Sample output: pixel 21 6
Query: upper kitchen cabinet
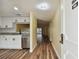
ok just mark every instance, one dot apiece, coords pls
pixel 22 20
pixel 6 22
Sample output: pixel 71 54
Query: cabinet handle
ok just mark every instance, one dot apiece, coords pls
pixel 6 26
pixel 13 39
pixel 25 20
pixel 16 20
pixel 5 38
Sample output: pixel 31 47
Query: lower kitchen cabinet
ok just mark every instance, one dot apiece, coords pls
pixel 10 41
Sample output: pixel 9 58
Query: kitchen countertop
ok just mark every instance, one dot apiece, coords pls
pixel 10 34
pixel 13 33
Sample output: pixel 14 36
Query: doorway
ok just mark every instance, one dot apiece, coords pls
pixel 42 30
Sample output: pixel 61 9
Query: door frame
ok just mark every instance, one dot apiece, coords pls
pixel 62 15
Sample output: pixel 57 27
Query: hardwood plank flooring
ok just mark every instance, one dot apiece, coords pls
pixel 42 51
pixel 12 53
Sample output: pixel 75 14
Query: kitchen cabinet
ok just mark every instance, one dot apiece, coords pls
pixel 6 25
pixel 22 20
pixel 6 22
pixel 10 41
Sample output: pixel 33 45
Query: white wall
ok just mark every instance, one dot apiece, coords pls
pixel 71 31
pixel 33 32
pixel 69 28
pixel 55 31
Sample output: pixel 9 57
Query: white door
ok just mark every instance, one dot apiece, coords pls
pixel 70 30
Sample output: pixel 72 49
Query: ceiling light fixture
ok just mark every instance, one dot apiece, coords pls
pixel 15 8
pixel 43 6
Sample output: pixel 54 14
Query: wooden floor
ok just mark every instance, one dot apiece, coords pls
pixel 42 51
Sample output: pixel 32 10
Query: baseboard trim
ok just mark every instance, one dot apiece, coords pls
pixel 56 51
pixel 10 48
pixel 31 50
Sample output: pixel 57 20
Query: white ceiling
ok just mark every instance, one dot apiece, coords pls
pixel 25 6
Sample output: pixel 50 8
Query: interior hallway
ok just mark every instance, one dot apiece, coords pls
pixel 42 51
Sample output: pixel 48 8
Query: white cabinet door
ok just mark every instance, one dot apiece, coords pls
pixel 22 20
pixel 28 20
pixel 3 41
pixel 6 23
pixel 10 41
pixel 19 19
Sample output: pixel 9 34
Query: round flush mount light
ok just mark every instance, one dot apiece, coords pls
pixel 15 8
pixel 43 6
